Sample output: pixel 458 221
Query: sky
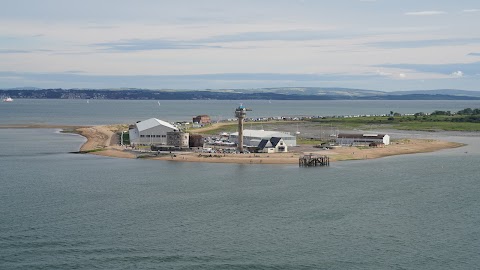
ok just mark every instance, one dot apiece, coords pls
pixel 230 44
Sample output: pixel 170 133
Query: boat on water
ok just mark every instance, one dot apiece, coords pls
pixel 297 132
pixel 7 99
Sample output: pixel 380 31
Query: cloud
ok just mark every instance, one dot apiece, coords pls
pixel 425 13
pixel 149 44
pixel 99 27
pixel 457 74
pixel 74 72
pixel 470 10
pixel 16 51
pixel 423 43
pixel 209 42
pixel 383 73
pixel 464 69
pixel 474 54
pixel 194 81
pixel 390 74
pixel 8 51
pixel 289 35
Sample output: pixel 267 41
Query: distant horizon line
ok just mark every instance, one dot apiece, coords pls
pixel 225 88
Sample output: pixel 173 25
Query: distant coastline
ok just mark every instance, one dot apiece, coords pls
pixel 282 93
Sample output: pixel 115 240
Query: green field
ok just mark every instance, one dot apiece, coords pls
pixel 425 123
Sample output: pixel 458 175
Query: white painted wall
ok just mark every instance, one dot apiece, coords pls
pixel 155 135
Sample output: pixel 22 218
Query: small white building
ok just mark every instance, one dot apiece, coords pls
pixel 252 137
pixel 152 131
pixel 274 145
pixel 362 139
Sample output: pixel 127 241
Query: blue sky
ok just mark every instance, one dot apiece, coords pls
pixel 184 44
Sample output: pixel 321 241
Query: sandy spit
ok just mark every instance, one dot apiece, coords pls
pixel 101 141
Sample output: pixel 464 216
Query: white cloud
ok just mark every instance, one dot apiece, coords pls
pixel 383 73
pixel 457 74
pixel 471 10
pixel 425 13
pixel 402 75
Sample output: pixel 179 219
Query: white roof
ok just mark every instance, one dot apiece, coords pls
pixel 264 133
pixel 153 122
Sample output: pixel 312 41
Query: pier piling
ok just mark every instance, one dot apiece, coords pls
pixel 313 161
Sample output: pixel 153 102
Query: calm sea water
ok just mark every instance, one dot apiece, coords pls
pixel 68 211
pixel 99 112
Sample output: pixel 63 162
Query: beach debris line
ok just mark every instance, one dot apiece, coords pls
pixel 311 160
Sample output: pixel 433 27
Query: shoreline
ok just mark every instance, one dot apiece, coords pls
pixel 101 141
pixel 404 147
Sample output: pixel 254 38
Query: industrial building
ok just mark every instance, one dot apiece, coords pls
pixel 152 131
pixel 362 139
pixel 253 137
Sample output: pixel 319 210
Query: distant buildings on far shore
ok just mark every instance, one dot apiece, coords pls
pixel 202 119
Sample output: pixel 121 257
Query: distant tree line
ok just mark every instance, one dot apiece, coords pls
pixel 470 115
pixel 465 115
pixel 469 111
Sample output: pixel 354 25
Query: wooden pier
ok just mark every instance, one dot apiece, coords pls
pixel 313 161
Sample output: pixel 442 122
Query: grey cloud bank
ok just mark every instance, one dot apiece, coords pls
pixel 213 43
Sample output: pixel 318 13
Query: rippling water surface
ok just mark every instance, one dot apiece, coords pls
pixel 100 112
pixel 67 211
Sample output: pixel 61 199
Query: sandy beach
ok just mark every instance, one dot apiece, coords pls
pixel 101 141
pixel 339 154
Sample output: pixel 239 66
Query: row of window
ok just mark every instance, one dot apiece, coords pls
pixel 153 136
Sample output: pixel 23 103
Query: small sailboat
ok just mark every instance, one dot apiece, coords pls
pixel 158 103
pixel 8 99
pixel 297 132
